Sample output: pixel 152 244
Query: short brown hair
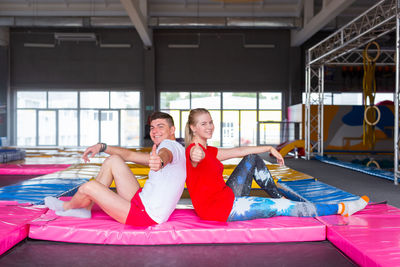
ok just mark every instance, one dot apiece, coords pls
pixel 162 115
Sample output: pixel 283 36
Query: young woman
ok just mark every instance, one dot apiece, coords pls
pixel 215 200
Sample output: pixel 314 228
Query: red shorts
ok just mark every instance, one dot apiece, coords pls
pixel 137 215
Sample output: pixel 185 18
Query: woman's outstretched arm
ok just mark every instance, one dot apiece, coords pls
pixel 238 152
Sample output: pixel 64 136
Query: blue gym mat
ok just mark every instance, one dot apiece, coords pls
pixel 311 190
pixel 35 190
pixel 357 167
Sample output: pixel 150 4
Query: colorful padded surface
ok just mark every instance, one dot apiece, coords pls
pixel 35 190
pixel 370 237
pixel 55 184
pixel 14 219
pixel 31 169
pixel 314 191
pixel 279 173
pixel 284 173
pixel 183 227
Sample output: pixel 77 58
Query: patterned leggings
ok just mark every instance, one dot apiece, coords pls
pixel 246 207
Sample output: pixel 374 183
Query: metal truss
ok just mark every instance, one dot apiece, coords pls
pixel 342 48
pixel 396 99
pixel 314 124
pixel 377 21
pixel 355 58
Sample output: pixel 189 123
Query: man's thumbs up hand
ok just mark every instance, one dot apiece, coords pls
pixel 154 160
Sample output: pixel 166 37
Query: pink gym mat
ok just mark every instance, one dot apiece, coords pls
pixel 183 227
pixel 370 237
pixel 31 169
pixel 14 219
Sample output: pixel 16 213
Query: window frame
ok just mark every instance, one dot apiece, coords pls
pixel 78 110
pixel 180 130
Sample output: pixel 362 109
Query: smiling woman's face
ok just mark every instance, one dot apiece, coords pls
pixel 204 127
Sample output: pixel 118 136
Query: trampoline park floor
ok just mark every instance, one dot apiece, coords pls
pixel 32 252
pixel 45 253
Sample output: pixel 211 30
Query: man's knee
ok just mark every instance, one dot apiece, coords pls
pixel 112 160
pixel 87 187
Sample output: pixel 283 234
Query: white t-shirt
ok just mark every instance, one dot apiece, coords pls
pixel 163 189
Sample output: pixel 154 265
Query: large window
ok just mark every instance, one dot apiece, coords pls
pixel 236 115
pixel 78 118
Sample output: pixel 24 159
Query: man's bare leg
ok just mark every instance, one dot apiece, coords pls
pixel 109 201
pixel 113 168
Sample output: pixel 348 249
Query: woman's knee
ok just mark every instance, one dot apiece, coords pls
pixel 252 157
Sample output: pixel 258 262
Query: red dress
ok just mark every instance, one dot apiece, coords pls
pixel 212 199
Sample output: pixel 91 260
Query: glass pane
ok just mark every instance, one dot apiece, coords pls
pixel 268 115
pixel 26 128
pixel 47 128
pixel 291 131
pixel 239 100
pixel 248 128
pixel 270 101
pixel 328 98
pixel 63 99
pixel 31 99
pixel 206 100
pixel 97 99
pixel 379 97
pixel 175 114
pixel 67 128
pixel 109 127
pixel 216 138
pixel 185 116
pixel 89 127
pixel 125 99
pixel 174 100
pixel 230 128
pixel 130 128
pixel 347 99
pixel 270 133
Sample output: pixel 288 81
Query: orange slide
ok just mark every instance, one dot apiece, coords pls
pixel 288 146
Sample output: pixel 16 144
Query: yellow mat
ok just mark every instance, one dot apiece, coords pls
pixel 78 169
pixel 278 173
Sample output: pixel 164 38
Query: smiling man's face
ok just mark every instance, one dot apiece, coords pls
pixel 160 130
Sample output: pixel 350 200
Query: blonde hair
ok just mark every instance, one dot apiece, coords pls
pixel 192 121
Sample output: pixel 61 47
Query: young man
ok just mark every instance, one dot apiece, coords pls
pixel 131 204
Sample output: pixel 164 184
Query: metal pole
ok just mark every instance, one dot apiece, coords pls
pixel 307 114
pixel 321 111
pixel 396 99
